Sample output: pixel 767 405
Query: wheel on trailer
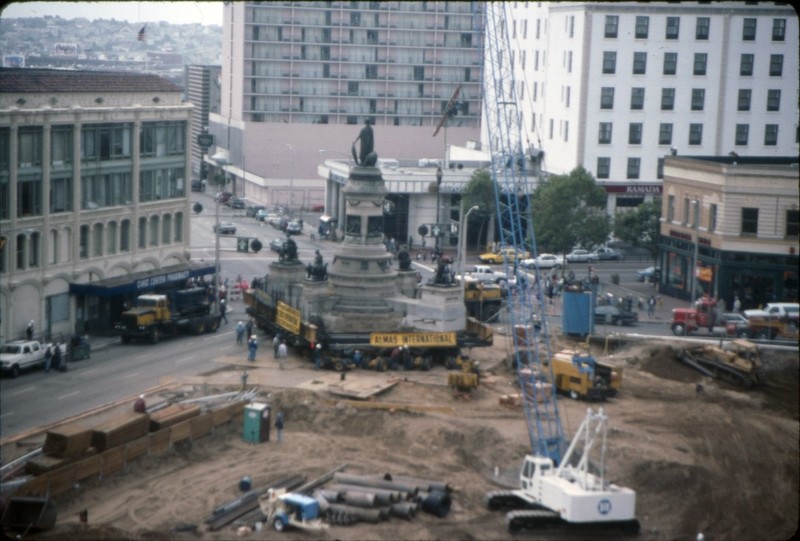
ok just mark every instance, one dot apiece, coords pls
pixel 278 524
pixel 678 329
pixel 573 394
pixel 338 365
pixel 380 366
pixel 200 327
pixel 213 325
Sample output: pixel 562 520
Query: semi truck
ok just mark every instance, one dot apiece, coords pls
pixel 185 311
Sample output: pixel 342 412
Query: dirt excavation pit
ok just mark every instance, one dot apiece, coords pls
pixel 723 462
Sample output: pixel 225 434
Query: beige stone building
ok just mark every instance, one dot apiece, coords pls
pixel 738 217
pixel 93 196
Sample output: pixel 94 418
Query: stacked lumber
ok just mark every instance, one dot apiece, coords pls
pixel 511 400
pixel 68 441
pixel 120 429
pixel 45 463
pixel 172 415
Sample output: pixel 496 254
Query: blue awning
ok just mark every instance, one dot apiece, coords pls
pixel 142 282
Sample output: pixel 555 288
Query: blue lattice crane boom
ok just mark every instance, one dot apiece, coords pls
pixel 556 483
pixel 512 198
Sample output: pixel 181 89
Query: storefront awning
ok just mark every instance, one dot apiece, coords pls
pixel 142 282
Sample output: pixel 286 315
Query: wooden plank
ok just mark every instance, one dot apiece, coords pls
pixel 201 425
pixel 35 487
pixel 88 467
pixel 397 406
pixel 172 414
pixel 221 415
pixel 180 431
pixel 158 442
pixel 356 389
pixel 61 480
pixel 68 440
pixel 120 429
pixel 136 448
pixel 113 460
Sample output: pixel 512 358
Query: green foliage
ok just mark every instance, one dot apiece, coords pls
pixel 479 192
pixel 570 210
pixel 640 227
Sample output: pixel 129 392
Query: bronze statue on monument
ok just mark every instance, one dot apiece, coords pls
pixel 366 155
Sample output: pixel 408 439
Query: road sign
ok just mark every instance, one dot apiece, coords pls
pixel 205 140
pixel 242 244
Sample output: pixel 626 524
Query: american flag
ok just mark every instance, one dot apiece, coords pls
pixel 141 36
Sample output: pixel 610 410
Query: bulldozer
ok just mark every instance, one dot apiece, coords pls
pixel 740 364
pixel 468 378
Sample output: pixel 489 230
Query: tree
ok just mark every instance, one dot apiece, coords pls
pixel 570 210
pixel 640 227
pixel 479 192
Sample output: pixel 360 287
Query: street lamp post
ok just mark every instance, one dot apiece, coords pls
pixel 291 177
pixel 221 163
pixel 463 248
pixel 438 191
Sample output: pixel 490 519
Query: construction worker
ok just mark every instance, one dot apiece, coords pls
pixel 139 405
pixel 279 425
pixel 252 347
pixel 317 357
pixel 282 353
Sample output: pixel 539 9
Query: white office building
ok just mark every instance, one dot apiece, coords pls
pixel 616 86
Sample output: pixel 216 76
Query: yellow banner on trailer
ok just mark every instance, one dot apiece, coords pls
pixel 288 318
pixel 413 339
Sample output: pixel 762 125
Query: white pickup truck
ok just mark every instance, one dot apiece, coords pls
pixel 485 273
pixel 18 355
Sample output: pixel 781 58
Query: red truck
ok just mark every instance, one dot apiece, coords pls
pixel 688 320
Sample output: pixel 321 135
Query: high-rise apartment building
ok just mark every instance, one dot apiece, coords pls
pixel 203 84
pixel 300 78
pixel 93 202
pixel 616 86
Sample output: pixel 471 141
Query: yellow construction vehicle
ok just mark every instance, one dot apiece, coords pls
pixel 468 378
pixel 580 375
pixel 740 364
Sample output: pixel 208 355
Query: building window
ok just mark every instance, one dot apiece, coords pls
pixel 703 28
pixel 773 100
pixel 642 27
pixel 660 168
pixel 605 133
pixel 671 208
pixel 778 29
pixel 695 134
pixel 712 218
pixel 466 40
pixel 670 63
pixel 793 223
pixel 109 190
pixel 637 99
pixel 667 99
pixel 771 135
pixel 612 26
pixel 635 133
pixel 639 63
pixel 83 252
pixel 742 134
pixel 355 18
pixel 419 73
pixel 609 62
pixel 607 97
pixel 633 168
pixel 29 153
pixel 97 240
pixel 125 236
pixel 700 63
pixel 673 27
pixel 142 232
pixel 178 227
pixel 746 62
pixel 775 65
pixel 687 204
pixel 61 194
pixel 154 227
pixel 166 229
pixel 749 29
pixel 61 146
pixel 352 88
pixel 106 141
pixel 743 102
pixel 29 196
pixel 665 134
pixel 749 221
pixel 371 72
pixel 698 99
pixel 603 167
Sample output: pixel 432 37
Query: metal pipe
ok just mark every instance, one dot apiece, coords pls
pixel 463 248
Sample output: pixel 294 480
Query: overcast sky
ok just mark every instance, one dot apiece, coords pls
pixel 134 12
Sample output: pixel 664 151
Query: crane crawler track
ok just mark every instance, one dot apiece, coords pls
pixel 537 518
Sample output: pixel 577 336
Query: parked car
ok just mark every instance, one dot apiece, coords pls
pixel 505 254
pixel 198 185
pixel 294 228
pixel 262 215
pixel 252 210
pixel 225 228
pixel 319 207
pixel 236 203
pixel 277 245
pixel 223 197
pixel 581 256
pixel 545 261
pixel 649 274
pixel 603 254
pixel 735 324
pixel 614 315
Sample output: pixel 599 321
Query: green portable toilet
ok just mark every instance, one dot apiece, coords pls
pixel 256 422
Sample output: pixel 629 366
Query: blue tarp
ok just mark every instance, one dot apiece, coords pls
pixel 142 282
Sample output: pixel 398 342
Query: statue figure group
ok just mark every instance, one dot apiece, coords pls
pixel 317 271
pixel 289 251
pixel 366 155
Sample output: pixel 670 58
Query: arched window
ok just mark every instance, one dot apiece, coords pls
pixel 97 240
pixel 125 236
pixel 142 232
pixel 84 242
pixel 111 238
pixel 166 229
pixel 55 248
pixel 154 223
pixel 178 227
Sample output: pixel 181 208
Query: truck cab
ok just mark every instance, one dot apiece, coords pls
pixel 687 320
